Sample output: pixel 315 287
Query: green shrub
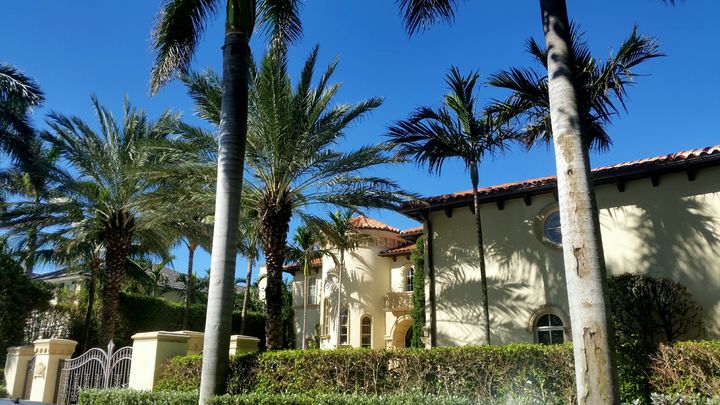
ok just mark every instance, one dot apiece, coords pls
pixel 132 397
pixel 337 399
pixel 688 368
pixel 516 373
pixel 677 399
pixel 418 296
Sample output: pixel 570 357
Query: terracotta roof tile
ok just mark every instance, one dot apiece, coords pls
pixel 616 169
pixel 405 249
pixel 363 222
pixel 410 231
pixel 314 263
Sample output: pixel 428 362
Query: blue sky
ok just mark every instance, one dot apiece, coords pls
pixel 80 47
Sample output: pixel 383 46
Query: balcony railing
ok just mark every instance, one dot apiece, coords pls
pixel 398 301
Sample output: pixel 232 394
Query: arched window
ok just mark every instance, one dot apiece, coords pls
pixel 344 326
pixel 549 329
pixel 326 316
pixel 409 273
pixel 312 291
pixel 366 331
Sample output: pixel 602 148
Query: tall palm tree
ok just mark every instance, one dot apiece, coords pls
pixel 459 130
pixel 596 377
pixel 106 186
pixel 249 247
pixel 304 250
pixel 176 35
pixel 340 233
pixel 292 163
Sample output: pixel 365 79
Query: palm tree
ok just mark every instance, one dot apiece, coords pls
pixel 249 247
pixel 176 35
pixel 18 95
pixel 456 130
pixel 339 232
pixel 304 251
pixel 107 189
pixel 596 377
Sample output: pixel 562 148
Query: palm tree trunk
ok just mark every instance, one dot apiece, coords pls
pixel 117 245
pixel 339 298
pixel 585 272
pixel 305 301
pixel 29 261
pixel 274 227
pixel 243 312
pixel 481 251
pixel 94 270
pixel 188 285
pixel 231 155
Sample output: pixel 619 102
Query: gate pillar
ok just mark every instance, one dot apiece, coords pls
pixel 243 344
pixel 15 369
pixel 48 353
pixel 150 351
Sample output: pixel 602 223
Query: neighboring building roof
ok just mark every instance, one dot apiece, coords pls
pixel 292 267
pixel 363 222
pixel 412 231
pixel 58 274
pixel 399 251
pixel 673 162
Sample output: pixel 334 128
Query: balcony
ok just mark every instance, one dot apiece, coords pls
pixel 398 302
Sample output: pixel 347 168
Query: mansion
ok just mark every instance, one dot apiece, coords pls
pixel 659 216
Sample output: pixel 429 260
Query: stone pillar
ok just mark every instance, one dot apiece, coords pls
pixel 243 344
pixel 195 341
pixel 150 351
pixel 15 367
pixel 48 354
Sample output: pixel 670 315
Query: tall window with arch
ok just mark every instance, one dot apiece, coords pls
pixel 312 291
pixel 549 329
pixel 409 274
pixel 326 317
pixel 344 326
pixel 366 331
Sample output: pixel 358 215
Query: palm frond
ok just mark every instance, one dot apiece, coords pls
pixel 281 22
pixel 420 14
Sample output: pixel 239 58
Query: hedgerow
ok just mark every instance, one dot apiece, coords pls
pixel 687 368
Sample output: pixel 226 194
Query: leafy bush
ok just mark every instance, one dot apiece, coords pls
pixel 677 399
pixel 132 397
pixel 515 373
pixel 687 368
pixel 647 311
pixel 19 296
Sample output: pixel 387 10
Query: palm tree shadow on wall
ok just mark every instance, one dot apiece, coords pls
pixel 679 239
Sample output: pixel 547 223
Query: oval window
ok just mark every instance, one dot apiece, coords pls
pixel 551 228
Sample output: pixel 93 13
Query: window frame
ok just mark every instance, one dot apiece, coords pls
pixel 345 325
pixel 409 278
pixel 369 335
pixel 533 327
pixel 539 225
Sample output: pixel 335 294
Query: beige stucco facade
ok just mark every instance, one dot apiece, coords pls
pixel 663 223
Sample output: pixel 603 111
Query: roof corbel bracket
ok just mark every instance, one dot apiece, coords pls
pixel 394 258
pixel 448 212
pixel 620 186
pixel 472 209
pixel 691 174
pixel 528 200
pixel 500 204
pixel 655 180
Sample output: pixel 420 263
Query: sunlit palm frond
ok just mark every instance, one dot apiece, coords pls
pixel 420 14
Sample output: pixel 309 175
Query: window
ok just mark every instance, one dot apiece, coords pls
pixel 551 228
pixel 549 329
pixel 366 331
pixel 409 279
pixel 344 329
pixel 312 291
pixel 326 316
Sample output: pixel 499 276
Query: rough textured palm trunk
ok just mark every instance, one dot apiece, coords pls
pixel 188 284
pixel 117 249
pixel 481 251
pixel 339 298
pixel 231 155
pixel 585 272
pixel 243 313
pixel 274 227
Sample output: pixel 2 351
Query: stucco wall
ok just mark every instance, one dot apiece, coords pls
pixel 672 230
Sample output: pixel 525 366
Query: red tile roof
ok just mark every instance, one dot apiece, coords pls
pixel 363 222
pixel 658 162
pixel 314 263
pixel 411 231
pixel 405 249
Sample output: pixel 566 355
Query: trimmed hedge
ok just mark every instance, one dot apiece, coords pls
pixel 486 373
pixel 687 368
pixel 131 397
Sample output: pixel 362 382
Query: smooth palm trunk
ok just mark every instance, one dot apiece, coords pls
pixel 231 154
pixel 585 272
pixel 481 252
pixel 305 304
pixel 274 227
pixel 339 298
pixel 243 312
pixel 188 284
